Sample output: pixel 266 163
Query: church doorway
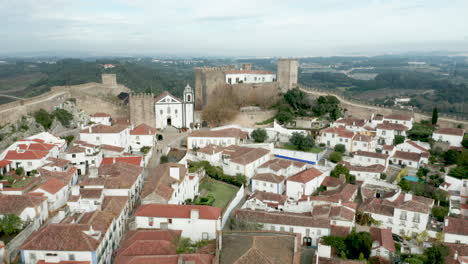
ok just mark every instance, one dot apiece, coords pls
pixel 169 122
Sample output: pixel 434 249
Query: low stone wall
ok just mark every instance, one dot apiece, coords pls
pixel 232 205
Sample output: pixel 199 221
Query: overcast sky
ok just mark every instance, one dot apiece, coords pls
pixel 238 28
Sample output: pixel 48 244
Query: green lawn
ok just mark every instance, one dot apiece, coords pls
pixel 222 192
pixel 312 150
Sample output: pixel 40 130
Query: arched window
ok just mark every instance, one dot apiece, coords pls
pixel 189 98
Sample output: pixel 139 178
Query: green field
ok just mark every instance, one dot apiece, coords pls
pixel 222 192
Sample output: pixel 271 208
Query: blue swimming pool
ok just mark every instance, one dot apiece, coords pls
pixel 411 178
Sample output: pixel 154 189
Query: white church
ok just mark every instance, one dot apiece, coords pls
pixel 172 111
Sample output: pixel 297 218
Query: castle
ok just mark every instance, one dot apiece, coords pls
pixel 247 84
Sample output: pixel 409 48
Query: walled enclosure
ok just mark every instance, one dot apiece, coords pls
pixel 207 79
pixel 142 109
pixel 90 97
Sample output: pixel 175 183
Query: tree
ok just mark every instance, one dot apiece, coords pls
pixel 259 135
pixel 450 157
pixel 340 169
pixel 338 244
pixel 465 142
pixel 43 118
pixel 435 116
pixel 302 142
pixel 340 148
pixel 10 224
pixel 358 243
pixel 297 99
pixel 163 159
pixel 336 157
pixel 440 212
pixel 436 254
pixel 63 116
pixel 19 171
pixel 398 139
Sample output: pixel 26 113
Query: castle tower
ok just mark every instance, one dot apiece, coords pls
pixel 142 109
pixel 247 66
pixel 188 107
pixel 109 80
pixel 287 73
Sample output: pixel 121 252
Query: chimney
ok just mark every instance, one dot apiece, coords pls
pixel 75 190
pixel 455 255
pixel 339 202
pixel 174 172
pixel 194 214
pixel 408 197
pixel 446 222
pixel 93 172
pixel 89 129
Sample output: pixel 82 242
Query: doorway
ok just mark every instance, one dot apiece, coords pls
pixel 169 122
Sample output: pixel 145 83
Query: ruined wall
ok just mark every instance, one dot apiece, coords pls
pixel 91 98
pixel 109 80
pixel 207 79
pixel 142 109
pixel 287 73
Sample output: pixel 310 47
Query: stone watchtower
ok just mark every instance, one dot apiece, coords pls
pixel 287 74
pixel 109 80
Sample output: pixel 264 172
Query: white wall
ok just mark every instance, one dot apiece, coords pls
pixel 101 120
pixel 451 139
pixel 455 238
pixel 314 232
pixel 266 186
pixel 27 258
pixel 298 155
pixel 191 228
pixel 139 141
pixel 200 142
pixel 121 139
pixel 249 78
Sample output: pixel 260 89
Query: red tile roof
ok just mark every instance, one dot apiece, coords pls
pixel 41 146
pixel 27 155
pixel 143 129
pixel 4 163
pixel 332 182
pixel 100 114
pixel 269 198
pixel 341 231
pixel 413 156
pixel 384 237
pixel 52 186
pixel 112 148
pixel 178 211
pixel 63 262
pixel 412 143
pixel 164 94
pixel 392 126
pixel 450 131
pixel 228 132
pixel 56 162
pixel 103 129
pixel 341 131
pixel 371 154
pixel 135 160
pixel 305 176
pixel 268 177
pixel 16 204
pixel 456 226
pixel 280 218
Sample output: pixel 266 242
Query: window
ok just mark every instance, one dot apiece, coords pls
pixel 73 155
pixel 271 185
pixel 403 216
pixel 71 256
pixel 98 138
pixel 138 137
pixel 237 167
pixel 189 98
pixel 237 79
pixel 416 218
pixel 29 163
pixel 272 228
pixel 168 110
pixel 161 111
pixel 291 229
pixel 32 256
pixel 307 231
pixel 319 232
pixel 175 111
pixel 169 221
pixel 205 236
pixel 383 132
pixel 229 80
pixel 264 184
pixel 281 228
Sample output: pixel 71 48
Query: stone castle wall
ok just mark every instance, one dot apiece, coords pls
pixel 91 98
pixel 142 109
pixel 263 94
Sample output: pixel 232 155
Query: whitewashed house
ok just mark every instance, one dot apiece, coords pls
pixel 352 124
pixel 410 159
pixel 413 146
pixel 405 120
pixel 26 158
pixel 117 135
pixel 56 191
pixel 309 227
pixel 223 137
pixel 101 118
pixel 367 158
pixel 268 182
pixel 197 222
pixel 363 143
pixel 456 230
pixel 305 182
pixel 387 131
pixel 27 207
pixel 336 135
pixel 57 164
pixel 370 173
pixel 85 199
pixel 142 136
pixel 283 167
pixel 453 136
pixel 170 183
pixel 383 245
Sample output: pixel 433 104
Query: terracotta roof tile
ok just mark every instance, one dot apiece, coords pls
pixel 305 176
pixel 456 226
pixel 134 160
pixel 100 114
pixel 268 197
pixel 164 94
pixel 52 186
pixel 398 117
pixel 392 126
pixel 26 155
pixel 103 129
pixel 371 154
pixel 16 204
pixel 280 218
pixel 178 211
pixel 413 156
pixel 332 182
pixel 384 237
pixel 143 129
pixel 160 182
pixel 450 131
pixel 112 148
pixel 228 132
pixel 269 177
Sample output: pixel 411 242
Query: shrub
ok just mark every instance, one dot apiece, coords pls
pixel 10 224
pixel 145 149
pixel 19 171
pixel 340 148
pixel 259 135
pixel 322 145
pixel 43 118
pixel 383 176
pixel 440 212
pixel 69 139
pixel 63 116
pixel 163 159
pixel 217 173
pixel 336 157
pixel 398 139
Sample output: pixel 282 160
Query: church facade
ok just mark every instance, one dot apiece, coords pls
pixel 170 110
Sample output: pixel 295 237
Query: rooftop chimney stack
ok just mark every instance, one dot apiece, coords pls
pixel 194 214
